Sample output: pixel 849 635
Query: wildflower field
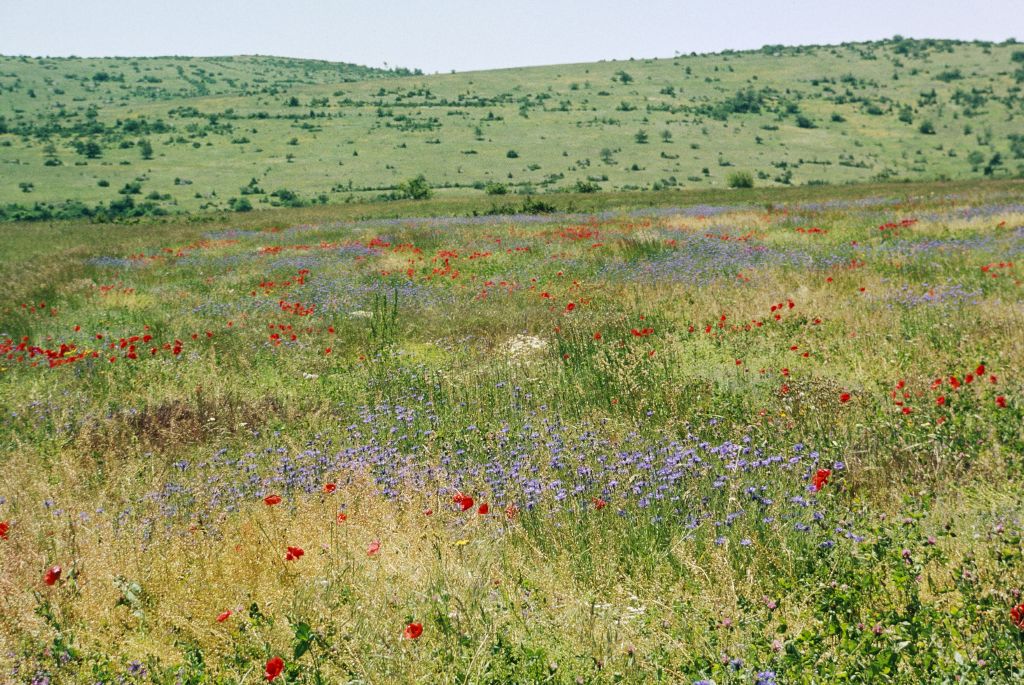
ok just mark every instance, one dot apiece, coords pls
pixel 759 441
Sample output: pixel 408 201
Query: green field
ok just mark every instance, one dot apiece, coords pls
pixel 704 370
pixel 145 136
pixel 758 436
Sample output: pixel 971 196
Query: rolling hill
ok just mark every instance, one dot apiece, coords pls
pixel 134 136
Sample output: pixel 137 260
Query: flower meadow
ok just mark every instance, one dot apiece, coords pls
pixel 747 443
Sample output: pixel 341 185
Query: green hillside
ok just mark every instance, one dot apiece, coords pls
pixel 176 134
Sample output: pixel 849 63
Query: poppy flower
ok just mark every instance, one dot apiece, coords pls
pixel 599 503
pixel 571 306
pixel 5 527
pixel 820 479
pixel 428 512
pixel 484 508
pixel 1017 616
pixel 224 616
pixel 844 397
pixel 597 336
pixel 52 575
pixel 271 500
pixel 980 371
pixel 413 631
pixel 940 400
pixel 330 487
pixel 373 548
pixel 342 517
pixel 464 501
pixel 294 553
pixel 511 511
pixel 274 667
pixel 1001 402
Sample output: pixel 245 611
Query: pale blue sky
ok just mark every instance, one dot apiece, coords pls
pixel 479 34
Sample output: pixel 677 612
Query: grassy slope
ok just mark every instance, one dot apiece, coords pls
pixel 458 128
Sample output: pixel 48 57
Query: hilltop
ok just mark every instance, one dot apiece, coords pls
pixel 135 136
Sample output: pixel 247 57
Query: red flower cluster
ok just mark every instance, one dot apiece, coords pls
pixel 820 479
pixel 465 502
pixel 1017 616
pixel 52 575
pixel 294 554
pixel 274 668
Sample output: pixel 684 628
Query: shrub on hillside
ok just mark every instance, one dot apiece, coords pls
pixel 740 179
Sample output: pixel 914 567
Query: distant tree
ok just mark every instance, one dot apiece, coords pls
pixel 292 101
pixel 511 154
pixel 240 204
pixel 804 122
pixel 666 136
pixel 146 148
pixel 91 149
pixel 640 137
pixel 622 77
pixel 495 188
pixel 927 128
pixel 607 156
pixel 415 188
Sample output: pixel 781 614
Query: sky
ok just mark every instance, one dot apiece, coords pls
pixel 466 35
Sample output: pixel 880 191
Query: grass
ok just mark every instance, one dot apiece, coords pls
pixel 642 394
pixel 356 134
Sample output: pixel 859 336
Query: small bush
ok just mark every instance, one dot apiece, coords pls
pixel 740 179
pixel 414 189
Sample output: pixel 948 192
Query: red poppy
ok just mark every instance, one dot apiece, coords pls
pixel 271 500
pixel 294 553
pixel 274 667
pixel 224 616
pixel 413 631
pixel 5 527
pixel 906 410
pixel 597 336
pixel 342 517
pixel 511 511
pixel 980 371
pixel 820 478
pixel 1001 402
pixel 599 503
pixel 330 487
pixel 1017 616
pixel 373 548
pixel 571 306
pixel 52 575
pixel 464 501
pixel 484 508
pixel 844 397
pixel 940 400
